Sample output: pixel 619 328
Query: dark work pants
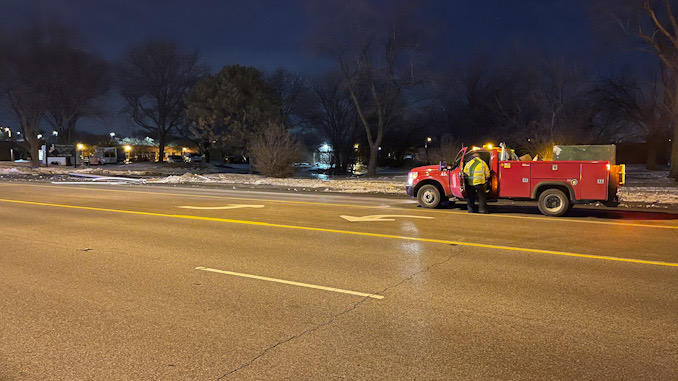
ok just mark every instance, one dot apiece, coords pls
pixel 471 198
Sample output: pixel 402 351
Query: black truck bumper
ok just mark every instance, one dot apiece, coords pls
pixel 410 190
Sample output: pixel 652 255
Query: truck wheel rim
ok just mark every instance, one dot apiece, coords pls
pixel 429 197
pixel 553 203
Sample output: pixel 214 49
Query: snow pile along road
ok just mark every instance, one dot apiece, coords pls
pixel 649 195
pixel 653 188
pixel 183 179
pixel 11 171
pixel 386 185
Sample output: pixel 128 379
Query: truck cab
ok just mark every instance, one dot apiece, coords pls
pixel 434 184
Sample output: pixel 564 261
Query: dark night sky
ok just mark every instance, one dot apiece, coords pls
pixel 269 33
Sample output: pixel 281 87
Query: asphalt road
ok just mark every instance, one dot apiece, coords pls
pixel 151 283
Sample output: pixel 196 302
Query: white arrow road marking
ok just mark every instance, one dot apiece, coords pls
pixel 363 294
pixel 229 206
pixel 380 217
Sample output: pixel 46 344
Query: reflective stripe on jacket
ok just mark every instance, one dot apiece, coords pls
pixel 476 171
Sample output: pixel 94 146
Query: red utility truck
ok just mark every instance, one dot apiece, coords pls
pixel 557 185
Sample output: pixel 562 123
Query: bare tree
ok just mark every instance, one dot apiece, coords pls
pixel 477 101
pixel 153 78
pixel 655 24
pixel 332 112
pixel 638 103
pixel 81 80
pixel 27 81
pixel 291 89
pixel 374 46
pixel 537 104
pixel 530 104
pixel 562 114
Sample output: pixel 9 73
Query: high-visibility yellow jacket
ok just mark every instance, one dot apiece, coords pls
pixel 476 171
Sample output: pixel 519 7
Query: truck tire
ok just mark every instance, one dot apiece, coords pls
pixel 553 202
pixel 429 196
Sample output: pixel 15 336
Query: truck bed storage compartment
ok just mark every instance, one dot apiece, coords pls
pixel 514 179
pixel 594 179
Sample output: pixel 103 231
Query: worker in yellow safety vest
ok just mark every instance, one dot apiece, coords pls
pixel 477 174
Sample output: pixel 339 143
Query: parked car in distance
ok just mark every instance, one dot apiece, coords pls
pixel 195 158
pixel 175 159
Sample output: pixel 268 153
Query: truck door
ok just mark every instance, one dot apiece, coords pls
pixel 456 182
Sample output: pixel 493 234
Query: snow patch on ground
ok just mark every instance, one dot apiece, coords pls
pixel 385 185
pixel 10 171
pixel 183 179
pixel 649 195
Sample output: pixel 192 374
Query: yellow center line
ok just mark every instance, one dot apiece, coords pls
pixel 348 232
pixel 293 283
pixel 419 210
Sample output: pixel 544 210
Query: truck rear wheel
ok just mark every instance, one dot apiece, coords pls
pixel 553 202
pixel 429 196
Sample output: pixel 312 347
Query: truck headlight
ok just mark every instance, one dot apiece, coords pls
pixel 410 177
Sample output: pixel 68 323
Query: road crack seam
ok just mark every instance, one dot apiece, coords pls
pixel 335 317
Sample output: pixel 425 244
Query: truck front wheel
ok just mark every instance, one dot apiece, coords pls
pixel 553 202
pixel 429 196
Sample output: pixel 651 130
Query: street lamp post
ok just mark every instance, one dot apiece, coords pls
pixel 79 148
pixel 428 140
pixel 127 148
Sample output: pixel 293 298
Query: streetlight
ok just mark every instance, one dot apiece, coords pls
pixel 79 147
pixel 428 140
pixel 127 149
